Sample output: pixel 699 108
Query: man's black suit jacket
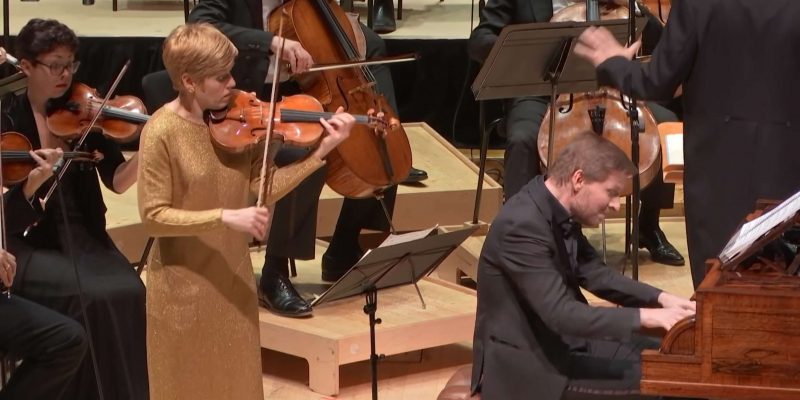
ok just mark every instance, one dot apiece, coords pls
pixel 242 22
pixel 739 64
pixel 531 315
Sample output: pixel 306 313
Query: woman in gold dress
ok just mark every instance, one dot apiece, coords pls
pixel 195 198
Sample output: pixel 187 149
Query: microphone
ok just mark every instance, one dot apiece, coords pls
pixel 592 10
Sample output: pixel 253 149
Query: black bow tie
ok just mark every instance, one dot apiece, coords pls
pixel 570 228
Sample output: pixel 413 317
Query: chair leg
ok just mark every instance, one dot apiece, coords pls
pixel 400 9
pixel 292 268
pixel 185 10
pixel 114 5
pixel 370 6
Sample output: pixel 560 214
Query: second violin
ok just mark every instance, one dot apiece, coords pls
pixel 119 119
pixel 17 161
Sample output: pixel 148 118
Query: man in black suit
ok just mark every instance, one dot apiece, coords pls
pixel 295 218
pixel 737 62
pixel 536 336
pixel 524 116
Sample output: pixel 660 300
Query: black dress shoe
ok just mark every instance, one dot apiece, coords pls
pixel 661 250
pixel 383 16
pixel 416 175
pixel 333 268
pixel 277 294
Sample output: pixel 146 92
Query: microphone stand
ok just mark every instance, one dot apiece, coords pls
pixel 370 308
pixel 59 171
pixel 6 23
pixel 70 250
pixel 633 113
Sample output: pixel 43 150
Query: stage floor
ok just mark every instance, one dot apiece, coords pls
pixel 422 19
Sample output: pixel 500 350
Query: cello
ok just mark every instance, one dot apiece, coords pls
pixel 369 160
pixel 603 111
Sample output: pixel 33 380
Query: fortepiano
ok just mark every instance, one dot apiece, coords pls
pixel 744 341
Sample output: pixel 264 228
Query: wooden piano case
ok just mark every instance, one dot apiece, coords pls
pixel 744 342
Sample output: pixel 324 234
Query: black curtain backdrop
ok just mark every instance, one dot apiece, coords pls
pixel 434 89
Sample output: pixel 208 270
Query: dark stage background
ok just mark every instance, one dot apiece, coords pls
pixel 433 89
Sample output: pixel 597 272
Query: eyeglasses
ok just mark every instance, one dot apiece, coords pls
pixel 59 68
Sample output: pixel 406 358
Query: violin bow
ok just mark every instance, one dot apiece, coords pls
pixel 61 170
pixel 270 122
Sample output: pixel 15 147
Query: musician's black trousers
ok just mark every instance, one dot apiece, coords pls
pixel 50 345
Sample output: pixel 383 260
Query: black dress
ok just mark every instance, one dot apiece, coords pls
pixel 113 292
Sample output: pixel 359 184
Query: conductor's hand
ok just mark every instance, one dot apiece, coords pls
pixel 45 160
pixel 597 44
pixel 664 318
pixel 337 129
pixel 3 57
pixel 299 59
pixel 8 268
pixel 252 220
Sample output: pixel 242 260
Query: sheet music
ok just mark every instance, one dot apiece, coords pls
pixel 755 229
pixel 674 149
pixel 393 239
pixel 407 237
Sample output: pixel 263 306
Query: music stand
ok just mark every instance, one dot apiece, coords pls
pixel 13 83
pixel 388 266
pixel 534 60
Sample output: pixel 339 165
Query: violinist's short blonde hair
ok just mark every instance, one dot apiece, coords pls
pixel 199 50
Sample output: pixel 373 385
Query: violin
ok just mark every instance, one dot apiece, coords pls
pixel 603 111
pixel 296 121
pixel 17 162
pixel 365 163
pixel 119 119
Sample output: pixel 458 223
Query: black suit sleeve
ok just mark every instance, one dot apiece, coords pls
pixel 495 15
pixel 528 257
pixel 670 65
pixel 19 212
pixel 220 14
pixel 596 277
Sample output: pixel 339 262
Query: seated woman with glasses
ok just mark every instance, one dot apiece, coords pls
pixel 113 293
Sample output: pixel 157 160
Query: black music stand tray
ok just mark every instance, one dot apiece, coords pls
pixel 13 83
pixel 534 60
pixel 388 266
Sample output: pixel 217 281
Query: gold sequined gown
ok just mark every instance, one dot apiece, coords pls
pixel 202 306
